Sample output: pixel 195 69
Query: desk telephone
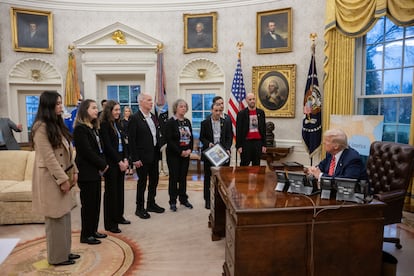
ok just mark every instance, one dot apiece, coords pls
pixel 296 182
pixel 341 189
pixel 344 189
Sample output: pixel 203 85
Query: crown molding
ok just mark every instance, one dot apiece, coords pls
pixel 134 5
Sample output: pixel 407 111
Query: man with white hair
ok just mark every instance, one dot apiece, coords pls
pixel 341 160
pixel 144 137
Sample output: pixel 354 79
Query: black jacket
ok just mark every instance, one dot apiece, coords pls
pixel 206 134
pixel 89 159
pixel 140 140
pixel 242 126
pixel 172 134
pixel 110 142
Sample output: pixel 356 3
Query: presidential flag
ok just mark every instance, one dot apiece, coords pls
pixel 237 100
pixel 312 105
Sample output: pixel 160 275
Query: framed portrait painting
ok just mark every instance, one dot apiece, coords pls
pixel 274 88
pixel 200 32
pixel 274 31
pixel 32 31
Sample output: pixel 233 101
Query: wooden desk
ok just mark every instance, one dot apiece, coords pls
pixel 276 233
pixel 275 154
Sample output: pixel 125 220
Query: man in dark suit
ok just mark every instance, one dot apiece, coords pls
pixel 214 130
pixel 341 160
pixel 144 137
pixel 219 100
pixel 251 133
pixel 271 39
pixel 7 140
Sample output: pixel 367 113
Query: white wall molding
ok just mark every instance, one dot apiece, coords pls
pixel 135 5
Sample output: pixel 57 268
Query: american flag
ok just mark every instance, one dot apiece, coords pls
pixel 312 110
pixel 237 100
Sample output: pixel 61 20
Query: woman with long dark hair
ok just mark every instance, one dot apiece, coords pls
pixel 115 152
pixel 91 162
pixel 54 175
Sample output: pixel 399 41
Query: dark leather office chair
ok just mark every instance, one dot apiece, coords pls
pixel 390 169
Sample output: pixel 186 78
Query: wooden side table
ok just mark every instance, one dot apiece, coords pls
pixel 275 154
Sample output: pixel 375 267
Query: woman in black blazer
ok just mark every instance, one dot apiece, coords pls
pixel 115 152
pixel 91 163
pixel 179 137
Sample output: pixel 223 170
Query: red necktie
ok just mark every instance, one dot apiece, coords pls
pixel 332 166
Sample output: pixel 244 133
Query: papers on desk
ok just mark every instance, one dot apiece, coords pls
pixel 6 247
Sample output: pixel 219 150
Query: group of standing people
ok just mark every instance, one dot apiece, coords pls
pixel 106 148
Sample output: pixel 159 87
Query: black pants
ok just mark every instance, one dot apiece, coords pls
pixel 114 197
pixel 207 179
pixel 177 169
pixel 252 151
pixel 90 196
pixel 147 171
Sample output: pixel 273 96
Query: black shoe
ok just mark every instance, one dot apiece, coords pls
pixel 142 214
pixel 99 235
pixel 173 207
pixel 187 204
pixel 68 262
pixel 115 230
pixel 90 240
pixel 73 256
pixel 155 208
pixel 124 221
pixel 207 205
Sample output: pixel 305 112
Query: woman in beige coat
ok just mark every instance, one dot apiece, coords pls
pixel 54 175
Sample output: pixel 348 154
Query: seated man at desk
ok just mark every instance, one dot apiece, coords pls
pixel 341 160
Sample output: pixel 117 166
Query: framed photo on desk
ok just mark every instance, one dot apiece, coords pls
pixel 217 155
pixel 32 31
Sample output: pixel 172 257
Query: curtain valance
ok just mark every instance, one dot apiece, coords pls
pixel 355 18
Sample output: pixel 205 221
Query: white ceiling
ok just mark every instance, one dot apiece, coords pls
pixel 132 5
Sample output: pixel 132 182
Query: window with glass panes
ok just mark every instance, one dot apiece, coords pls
pixel 126 95
pixel 387 78
pixel 200 109
pixel 32 104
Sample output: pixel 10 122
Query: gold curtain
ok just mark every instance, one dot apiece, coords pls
pixel 345 21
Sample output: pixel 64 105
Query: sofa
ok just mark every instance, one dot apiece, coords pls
pixel 16 168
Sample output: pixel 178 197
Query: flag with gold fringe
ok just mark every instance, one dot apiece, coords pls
pixel 312 105
pixel 72 90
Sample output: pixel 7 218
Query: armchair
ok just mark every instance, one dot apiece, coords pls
pixel 390 169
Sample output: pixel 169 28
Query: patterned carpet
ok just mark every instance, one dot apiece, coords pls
pixel 120 255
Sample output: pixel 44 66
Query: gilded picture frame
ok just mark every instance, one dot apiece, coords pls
pixel 200 33
pixel 275 89
pixel 274 31
pixel 32 30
